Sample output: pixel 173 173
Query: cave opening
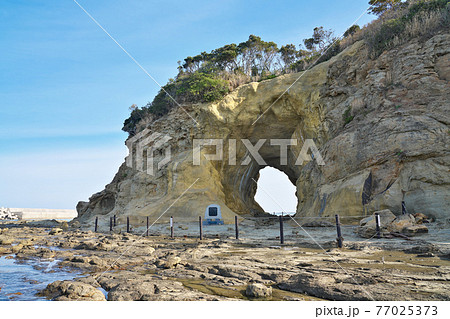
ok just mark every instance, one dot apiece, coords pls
pixel 275 192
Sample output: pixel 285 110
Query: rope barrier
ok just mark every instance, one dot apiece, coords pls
pixel 112 222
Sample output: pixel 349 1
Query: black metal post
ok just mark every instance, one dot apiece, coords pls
pixel 128 224
pixel 201 226
pixel 114 220
pixel 96 224
pixel 110 224
pixel 236 226
pixel 377 221
pixel 281 229
pixel 146 231
pixel 171 226
pixel 339 234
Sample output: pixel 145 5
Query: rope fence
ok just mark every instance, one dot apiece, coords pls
pixel 128 225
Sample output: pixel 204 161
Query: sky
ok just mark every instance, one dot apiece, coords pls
pixel 275 192
pixel 66 87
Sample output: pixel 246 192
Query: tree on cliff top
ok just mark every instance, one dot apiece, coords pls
pixel 379 7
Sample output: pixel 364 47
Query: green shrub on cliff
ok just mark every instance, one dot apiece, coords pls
pixel 347 116
pixel 200 87
pixel 412 19
pixel 207 77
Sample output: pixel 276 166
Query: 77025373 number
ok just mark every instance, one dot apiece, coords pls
pixel 407 310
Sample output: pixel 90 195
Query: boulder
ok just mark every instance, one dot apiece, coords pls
pixel 367 227
pixel 386 217
pixel 407 224
pixel 421 218
pixel 72 290
pixel 255 290
pixel 401 222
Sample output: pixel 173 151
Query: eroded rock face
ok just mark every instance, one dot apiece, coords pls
pixel 393 138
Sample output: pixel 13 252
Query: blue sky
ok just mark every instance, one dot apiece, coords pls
pixel 65 86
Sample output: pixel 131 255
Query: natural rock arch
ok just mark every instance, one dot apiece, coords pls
pixel 397 134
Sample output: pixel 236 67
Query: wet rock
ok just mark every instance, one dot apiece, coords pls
pixel 421 218
pixel 6 240
pixel 331 287
pixel 255 290
pixel 55 231
pixel 90 280
pixel 424 249
pixel 75 224
pixel 79 259
pixel 94 260
pixel 104 246
pixel 88 245
pixel 64 226
pixel 4 251
pixel 170 263
pixel 72 290
pixel 318 223
pixel 15 249
pixel 415 229
pixel 134 290
pixel 426 255
pixel 47 223
pixel 26 242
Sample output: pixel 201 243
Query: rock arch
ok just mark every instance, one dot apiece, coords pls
pixel 397 134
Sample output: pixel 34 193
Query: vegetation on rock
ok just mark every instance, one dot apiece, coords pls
pixel 208 77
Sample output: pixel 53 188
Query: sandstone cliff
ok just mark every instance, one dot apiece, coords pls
pixel 381 126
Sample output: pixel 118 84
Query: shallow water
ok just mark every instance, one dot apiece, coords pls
pixel 22 280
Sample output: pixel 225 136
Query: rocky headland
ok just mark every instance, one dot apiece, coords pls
pixel 381 126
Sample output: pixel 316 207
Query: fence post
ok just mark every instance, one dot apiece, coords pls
pixel 128 224
pixel 201 226
pixel 110 224
pixel 114 220
pixel 171 226
pixel 377 221
pixel 281 229
pixel 339 234
pixel 96 224
pixel 236 226
pixel 146 231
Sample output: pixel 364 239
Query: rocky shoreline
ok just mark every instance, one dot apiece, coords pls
pixel 118 266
